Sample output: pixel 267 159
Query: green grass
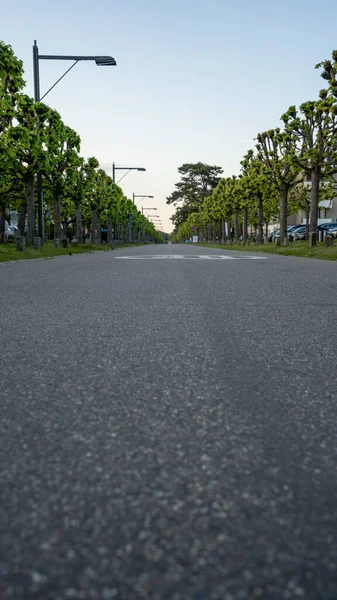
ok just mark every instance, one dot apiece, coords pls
pixel 300 249
pixel 8 251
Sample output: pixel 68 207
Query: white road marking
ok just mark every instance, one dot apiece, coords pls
pixel 195 257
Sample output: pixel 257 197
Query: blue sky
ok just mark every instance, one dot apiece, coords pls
pixel 196 79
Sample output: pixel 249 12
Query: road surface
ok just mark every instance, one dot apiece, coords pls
pixel 168 427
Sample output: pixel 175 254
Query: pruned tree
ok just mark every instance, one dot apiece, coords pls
pixel 61 152
pixel 25 146
pixel 277 150
pixel 11 83
pixel 314 128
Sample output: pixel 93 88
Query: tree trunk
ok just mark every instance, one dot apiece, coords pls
pixel 79 227
pixel 110 236
pixel 22 218
pixel 259 237
pixel 57 214
pixel 315 181
pixel 245 225
pixel 307 218
pixel 283 215
pixel 2 222
pixel 223 230
pixel 65 228
pixel 98 233
pixel 93 226
pixel 229 226
pixel 30 210
pixel 236 226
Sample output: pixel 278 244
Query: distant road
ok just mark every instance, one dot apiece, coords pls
pixel 168 427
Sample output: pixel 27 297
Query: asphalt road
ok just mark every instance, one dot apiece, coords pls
pixel 168 427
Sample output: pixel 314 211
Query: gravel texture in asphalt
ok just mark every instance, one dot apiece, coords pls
pixel 168 427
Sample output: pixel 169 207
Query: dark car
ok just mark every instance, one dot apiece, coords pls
pixel 300 233
pixel 332 231
pixel 326 226
pixel 293 231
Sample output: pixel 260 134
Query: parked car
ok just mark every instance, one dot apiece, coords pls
pixel 300 233
pixel 332 231
pixel 273 234
pixel 295 229
pixel 10 233
pixel 327 226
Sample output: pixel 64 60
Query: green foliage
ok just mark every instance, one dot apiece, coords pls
pixel 9 252
pixel 33 138
pixel 270 184
pixel 197 183
pixel 11 82
pixel 299 249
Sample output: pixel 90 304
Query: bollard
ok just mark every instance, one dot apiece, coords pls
pixel 37 243
pixel 20 241
pixel 277 241
pixel 65 243
pixel 74 241
pixel 57 242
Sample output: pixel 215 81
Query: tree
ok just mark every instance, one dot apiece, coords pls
pixel 257 191
pixel 277 151
pixel 300 197
pixel 74 196
pixel 11 82
pixel 23 141
pixel 314 127
pixel 62 145
pixel 198 181
pixel 329 72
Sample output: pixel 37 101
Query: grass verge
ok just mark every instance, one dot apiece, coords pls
pixel 294 249
pixel 9 252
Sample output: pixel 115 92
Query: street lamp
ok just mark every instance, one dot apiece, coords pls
pixel 101 61
pixel 149 208
pixel 128 169
pixel 138 196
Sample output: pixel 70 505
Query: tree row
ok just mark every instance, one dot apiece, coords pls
pixel 291 168
pixel 77 193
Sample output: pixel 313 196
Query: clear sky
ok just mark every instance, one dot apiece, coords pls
pixel 196 79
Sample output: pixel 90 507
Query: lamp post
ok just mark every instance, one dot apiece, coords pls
pixel 139 196
pixel 128 169
pixel 101 61
pixel 149 208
